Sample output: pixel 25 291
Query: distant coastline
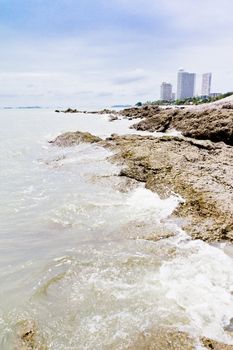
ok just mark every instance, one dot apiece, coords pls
pixel 23 107
pixel 121 106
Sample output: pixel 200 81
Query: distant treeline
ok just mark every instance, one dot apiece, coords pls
pixel 188 101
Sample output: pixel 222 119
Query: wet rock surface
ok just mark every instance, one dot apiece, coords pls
pixel 199 171
pixel 74 138
pixel 163 339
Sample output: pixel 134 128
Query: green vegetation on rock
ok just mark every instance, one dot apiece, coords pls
pixel 187 101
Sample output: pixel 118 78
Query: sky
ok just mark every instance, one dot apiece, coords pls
pixel 97 53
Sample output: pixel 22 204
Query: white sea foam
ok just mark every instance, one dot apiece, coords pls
pixel 143 202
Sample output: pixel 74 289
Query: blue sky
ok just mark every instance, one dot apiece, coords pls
pixel 98 52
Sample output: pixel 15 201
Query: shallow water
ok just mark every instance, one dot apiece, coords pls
pixel 73 253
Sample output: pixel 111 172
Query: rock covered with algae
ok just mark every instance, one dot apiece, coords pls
pixel 74 138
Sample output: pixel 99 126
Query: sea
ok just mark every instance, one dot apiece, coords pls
pixel 75 254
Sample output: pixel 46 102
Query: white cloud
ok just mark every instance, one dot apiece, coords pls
pixel 130 77
pixel 102 68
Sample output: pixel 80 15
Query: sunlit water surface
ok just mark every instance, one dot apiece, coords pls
pixel 73 257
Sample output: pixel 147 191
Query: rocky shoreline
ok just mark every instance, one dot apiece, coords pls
pixel 213 121
pixel 199 168
pixel 198 165
pixel 215 124
pixel 199 171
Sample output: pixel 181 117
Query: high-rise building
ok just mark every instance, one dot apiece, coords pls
pixel 206 84
pixel 215 94
pixel 185 84
pixel 166 92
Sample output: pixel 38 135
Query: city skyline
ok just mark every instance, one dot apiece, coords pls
pixel 167 91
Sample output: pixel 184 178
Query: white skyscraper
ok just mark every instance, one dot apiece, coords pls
pixel 166 92
pixel 185 84
pixel 206 84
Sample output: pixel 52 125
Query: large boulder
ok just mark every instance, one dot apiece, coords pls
pixel 74 138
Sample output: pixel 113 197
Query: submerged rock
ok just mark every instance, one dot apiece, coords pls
pixel 172 339
pixel 27 331
pixel 163 339
pixel 158 235
pixel 28 337
pixel 112 118
pixel 74 138
pixel 214 345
